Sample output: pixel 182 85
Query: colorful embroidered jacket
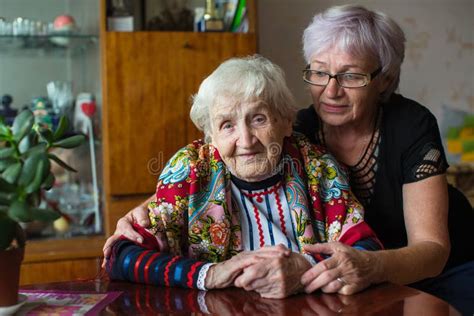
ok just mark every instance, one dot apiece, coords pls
pixel 193 221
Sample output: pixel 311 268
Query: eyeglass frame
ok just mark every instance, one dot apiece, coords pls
pixel 369 77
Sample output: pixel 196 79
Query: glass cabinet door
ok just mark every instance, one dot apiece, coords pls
pixel 49 63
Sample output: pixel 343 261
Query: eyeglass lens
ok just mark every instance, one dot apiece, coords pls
pixel 349 80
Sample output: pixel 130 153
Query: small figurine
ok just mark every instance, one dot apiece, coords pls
pixel 5 110
pixel 43 111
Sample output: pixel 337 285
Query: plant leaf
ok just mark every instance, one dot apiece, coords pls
pixel 62 126
pixel 34 199
pixel 6 187
pixel 7 229
pixel 41 147
pixel 25 143
pixel 44 215
pixel 48 182
pixel 47 169
pixel 5 163
pixel 6 152
pixel 22 124
pixel 5 195
pixel 29 168
pixel 38 179
pixel 12 172
pixel 61 163
pixel 45 134
pixel 5 130
pixel 70 142
pixel 4 201
pixel 20 211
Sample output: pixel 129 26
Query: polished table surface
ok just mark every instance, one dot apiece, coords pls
pixel 138 299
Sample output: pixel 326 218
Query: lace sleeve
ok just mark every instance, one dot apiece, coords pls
pixel 424 156
pixel 431 163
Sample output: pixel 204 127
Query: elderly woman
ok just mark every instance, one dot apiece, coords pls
pixel 239 208
pixel 392 148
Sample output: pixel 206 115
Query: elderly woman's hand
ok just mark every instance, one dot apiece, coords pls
pixel 223 274
pixel 347 271
pixel 124 227
pixel 275 277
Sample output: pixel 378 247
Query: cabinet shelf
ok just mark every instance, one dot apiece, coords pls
pixel 41 45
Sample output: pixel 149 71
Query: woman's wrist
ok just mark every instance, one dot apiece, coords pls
pixel 202 283
pixel 376 260
pixel 209 280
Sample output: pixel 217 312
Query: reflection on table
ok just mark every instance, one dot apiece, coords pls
pixel 137 299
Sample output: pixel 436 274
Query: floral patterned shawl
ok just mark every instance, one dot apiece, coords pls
pixel 193 213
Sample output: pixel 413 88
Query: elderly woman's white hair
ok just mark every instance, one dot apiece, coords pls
pixel 243 80
pixel 359 31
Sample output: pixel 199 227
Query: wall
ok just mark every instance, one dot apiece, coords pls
pixel 439 64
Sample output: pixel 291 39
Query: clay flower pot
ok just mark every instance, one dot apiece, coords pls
pixel 10 263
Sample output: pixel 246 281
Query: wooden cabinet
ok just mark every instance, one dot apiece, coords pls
pixel 61 260
pixel 148 80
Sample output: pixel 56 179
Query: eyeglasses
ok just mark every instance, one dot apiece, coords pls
pixel 345 79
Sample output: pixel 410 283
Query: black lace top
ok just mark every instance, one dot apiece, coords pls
pixel 406 147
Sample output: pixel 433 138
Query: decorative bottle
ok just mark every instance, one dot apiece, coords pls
pixel 212 21
pixel 120 19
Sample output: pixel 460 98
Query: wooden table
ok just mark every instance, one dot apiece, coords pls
pixel 137 299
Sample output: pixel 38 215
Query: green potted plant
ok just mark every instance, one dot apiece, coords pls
pixel 25 170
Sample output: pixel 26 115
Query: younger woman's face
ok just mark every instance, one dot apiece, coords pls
pixel 338 106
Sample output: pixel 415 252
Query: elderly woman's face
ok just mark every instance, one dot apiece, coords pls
pixel 338 106
pixel 249 137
